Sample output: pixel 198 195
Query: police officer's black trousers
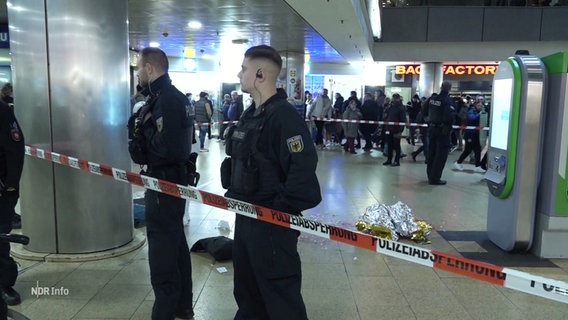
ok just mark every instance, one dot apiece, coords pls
pixel 168 252
pixel 438 149
pixel 268 274
pixel 8 268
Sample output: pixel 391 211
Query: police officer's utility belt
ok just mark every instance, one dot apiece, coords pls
pixel 187 170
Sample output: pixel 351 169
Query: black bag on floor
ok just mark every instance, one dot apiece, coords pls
pixel 220 248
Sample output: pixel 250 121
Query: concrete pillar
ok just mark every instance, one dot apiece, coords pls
pixel 71 94
pixel 431 77
pixel 292 75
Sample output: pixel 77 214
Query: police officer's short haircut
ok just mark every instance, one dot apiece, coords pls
pixel 203 94
pixel 446 86
pixel 156 57
pixel 264 52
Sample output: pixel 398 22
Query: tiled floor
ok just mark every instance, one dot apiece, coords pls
pixel 339 281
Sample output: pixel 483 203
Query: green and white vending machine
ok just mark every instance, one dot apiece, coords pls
pixel 515 147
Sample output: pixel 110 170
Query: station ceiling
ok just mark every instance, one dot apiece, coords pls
pixel 233 25
pixel 229 24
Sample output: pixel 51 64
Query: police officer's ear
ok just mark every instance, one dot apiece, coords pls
pixel 259 73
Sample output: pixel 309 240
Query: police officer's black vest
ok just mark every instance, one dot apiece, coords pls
pixel 251 171
pixel 436 111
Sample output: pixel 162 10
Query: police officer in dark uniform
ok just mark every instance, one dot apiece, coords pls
pixel 441 114
pixel 161 133
pixel 12 151
pixel 273 163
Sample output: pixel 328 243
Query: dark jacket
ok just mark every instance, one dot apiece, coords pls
pixel 225 110
pixel 370 110
pixel 395 113
pixel 166 133
pixel 12 148
pixel 273 158
pixel 338 106
pixel 235 109
pixel 472 120
pixel 439 110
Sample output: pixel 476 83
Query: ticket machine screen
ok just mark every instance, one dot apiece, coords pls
pixel 501 111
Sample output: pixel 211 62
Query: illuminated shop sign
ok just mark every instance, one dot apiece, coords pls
pixel 4 36
pixel 450 69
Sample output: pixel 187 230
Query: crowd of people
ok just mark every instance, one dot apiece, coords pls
pixel 324 117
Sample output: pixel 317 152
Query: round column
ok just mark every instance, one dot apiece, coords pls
pixel 71 94
pixel 431 76
pixel 291 77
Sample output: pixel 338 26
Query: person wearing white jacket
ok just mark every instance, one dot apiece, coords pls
pixel 322 109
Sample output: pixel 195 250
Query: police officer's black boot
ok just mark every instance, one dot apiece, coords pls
pixel 10 296
pixel 184 314
pixel 16 221
pixel 3 310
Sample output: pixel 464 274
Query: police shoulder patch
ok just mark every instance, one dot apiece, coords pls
pixel 295 144
pixel 160 124
pixel 15 132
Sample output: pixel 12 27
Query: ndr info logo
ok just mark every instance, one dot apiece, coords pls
pixel 49 291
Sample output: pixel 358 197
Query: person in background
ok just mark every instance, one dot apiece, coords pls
pixel 160 133
pixel 6 94
pixel 472 142
pixel 310 105
pixel 441 115
pixel 393 133
pixel 189 96
pixel 224 116
pixel 423 133
pixel 350 129
pixel 272 164
pixel 235 108
pixel 211 117
pixel 412 110
pixel 370 111
pixel 353 96
pixel 203 112
pixel 337 113
pixel 12 152
pixel 322 110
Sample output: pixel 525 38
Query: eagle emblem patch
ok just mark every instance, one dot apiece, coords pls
pixel 295 144
pixel 15 132
pixel 160 124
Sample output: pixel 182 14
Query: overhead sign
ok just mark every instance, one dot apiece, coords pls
pixel 451 69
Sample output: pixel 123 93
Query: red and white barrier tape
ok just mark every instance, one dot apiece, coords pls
pixel 478 128
pixel 508 278
pixel 395 123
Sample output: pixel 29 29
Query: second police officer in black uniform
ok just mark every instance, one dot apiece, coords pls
pixel 441 114
pixel 273 163
pixel 161 133
pixel 12 152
